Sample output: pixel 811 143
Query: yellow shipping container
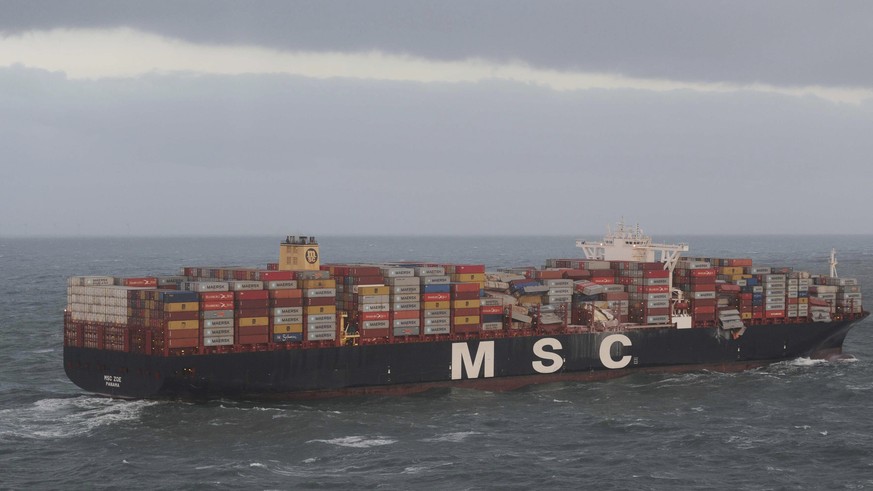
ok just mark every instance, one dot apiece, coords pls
pixel 746 315
pixel 436 305
pixel 374 290
pixel 320 309
pixel 253 321
pixel 468 277
pixel 287 328
pixel 465 321
pixel 173 325
pixel 530 300
pixel 465 304
pixel 802 301
pixel 181 307
pixel 311 284
pixel 731 270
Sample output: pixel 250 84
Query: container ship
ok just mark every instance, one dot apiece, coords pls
pixel 301 329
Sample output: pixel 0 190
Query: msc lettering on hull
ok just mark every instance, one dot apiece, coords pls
pixel 606 347
pixel 462 360
pixel 546 352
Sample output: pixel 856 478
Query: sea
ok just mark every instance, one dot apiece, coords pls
pixel 797 424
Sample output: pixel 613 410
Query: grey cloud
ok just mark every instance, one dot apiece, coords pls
pixel 783 42
pixel 262 154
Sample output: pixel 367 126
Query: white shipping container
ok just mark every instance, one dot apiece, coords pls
pixel 319 292
pixel 492 326
pixel 402 281
pixel 430 271
pixel 217 340
pixel 288 319
pixel 320 336
pixel 375 324
pixel 436 313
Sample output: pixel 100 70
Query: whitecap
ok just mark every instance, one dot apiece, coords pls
pixel 455 437
pixel 357 441
pixel 806 362
pixel 64 418
pixel 258 464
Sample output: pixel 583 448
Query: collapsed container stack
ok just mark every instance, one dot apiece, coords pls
pixel 846 294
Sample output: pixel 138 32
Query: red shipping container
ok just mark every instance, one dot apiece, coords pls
pixel 180 316
pixel 773 314
pixel 216 296
pixel 466 312
pixel 368 280
pixel 702 309
pixel 496 309
pixel 377 316
pixel 703 287
pixel 319 301
pixel 263 312
pixel 253 295
pixel 276 275
pixel 654 289
pixel 599 273
pixel 465 287
pixel 365 271
pixel 402 314
pixel 466 295
pixel 292 293
pixel 183 343
pixel 435 297
pixel 286 302
pixel 548 274
pixel 253 330
pixel 576 274
pixel 739 262
pixel 656 273
pixel 468 268
pixel 216 306
pixel 182 333
pixel 602 280
pixel 141 282
pixel 255 339
pixel 373 333
pixel 465 328
pixel 703 273
pixel 252 304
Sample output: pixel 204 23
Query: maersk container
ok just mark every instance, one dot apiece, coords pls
pixel 217 323
pixel 435 330
pixel 382 324
pixel 321 326
pixel 222 331
pixel 402 281
pixel 292 319
pixel 436 313
pixel 218 341
pixel 320 335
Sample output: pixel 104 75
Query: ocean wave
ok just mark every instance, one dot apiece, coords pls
pixel 357 441
pixel 455 437
pixel 64 418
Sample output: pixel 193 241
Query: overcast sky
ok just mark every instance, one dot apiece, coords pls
pixel 503 117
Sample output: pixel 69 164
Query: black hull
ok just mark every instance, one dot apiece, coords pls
pixel 494 364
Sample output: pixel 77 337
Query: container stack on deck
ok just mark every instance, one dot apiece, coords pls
pixel 648 291
pixel 436 313
pixel 319 305
pixel 207 310
pixel 404 297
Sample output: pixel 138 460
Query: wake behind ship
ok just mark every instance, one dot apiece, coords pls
pixel 297 328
